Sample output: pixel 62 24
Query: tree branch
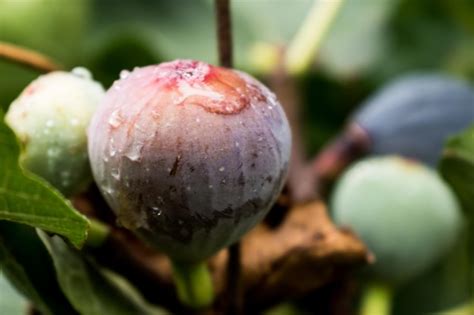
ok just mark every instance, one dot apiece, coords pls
pixel 27 57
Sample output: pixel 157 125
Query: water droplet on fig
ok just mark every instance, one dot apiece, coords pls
pixel 156 211
pixel 112 148
pixel 82 72
pixel 115 173
pixel 115 119
pixel 237 144
pixel 198 120
pixel 134 151
pixel 124 74
pixel 221 169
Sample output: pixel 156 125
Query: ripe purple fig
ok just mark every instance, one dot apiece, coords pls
pixel 190 156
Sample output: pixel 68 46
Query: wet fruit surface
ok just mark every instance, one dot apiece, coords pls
pixel 50 118
pixel 189 156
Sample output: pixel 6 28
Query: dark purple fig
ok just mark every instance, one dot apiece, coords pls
pixel 190 156
pixel 414 115
pixel 411 116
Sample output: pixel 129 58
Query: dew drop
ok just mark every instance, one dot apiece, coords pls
pixel 188 188
pixel 135 151
pixel 112 148
pixel 124 74
pixel 198 120
pixel 210 186
pixel 237 144
pixel 82 72
pixel 221 169
pixel 156 211
pixel 115 173
pixel 115 119
pixel 260 139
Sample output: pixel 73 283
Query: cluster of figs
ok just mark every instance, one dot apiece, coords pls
pixel 190 156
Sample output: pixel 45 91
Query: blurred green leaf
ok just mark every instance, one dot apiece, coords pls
pixel 27 199
pixel 11 302
pixel 457 167
pixel 357 38
pixel 55 28
pixel 27 265
pixel 92 290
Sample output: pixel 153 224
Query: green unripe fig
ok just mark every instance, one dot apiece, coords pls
pixel 50 118
pixel 403 211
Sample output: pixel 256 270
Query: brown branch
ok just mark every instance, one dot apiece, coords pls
pixel 27 57
pixel 353 143
pixel 301 183
pixel 224 32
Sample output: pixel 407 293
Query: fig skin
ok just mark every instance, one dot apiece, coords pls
pixel 403 211
pixel 189 156
pixel 50 119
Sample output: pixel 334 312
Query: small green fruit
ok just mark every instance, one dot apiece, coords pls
pixel 403 211
pixel 50 118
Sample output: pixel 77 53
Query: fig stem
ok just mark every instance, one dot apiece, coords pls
pixel 304 46
pixel 224 32
pixel 224 42
pixel 97 234
pixel 193 284
pixel 27 57
pixel 377 299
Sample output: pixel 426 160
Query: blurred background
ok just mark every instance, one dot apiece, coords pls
pixel 370 43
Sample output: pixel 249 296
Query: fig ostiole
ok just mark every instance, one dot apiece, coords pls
pixel 189 156
pixel 408 217
pixel 50 119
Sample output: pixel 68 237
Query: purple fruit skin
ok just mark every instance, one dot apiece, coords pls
pixel 188 155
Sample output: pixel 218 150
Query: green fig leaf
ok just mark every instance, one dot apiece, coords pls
pixel 91 289
pixel 457 167
pixel 25 262
pixel 26 198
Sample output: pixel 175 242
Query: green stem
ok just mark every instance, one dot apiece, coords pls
pixel 377 299
pixel 193 284
pixel 301 51
pixel 97 234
